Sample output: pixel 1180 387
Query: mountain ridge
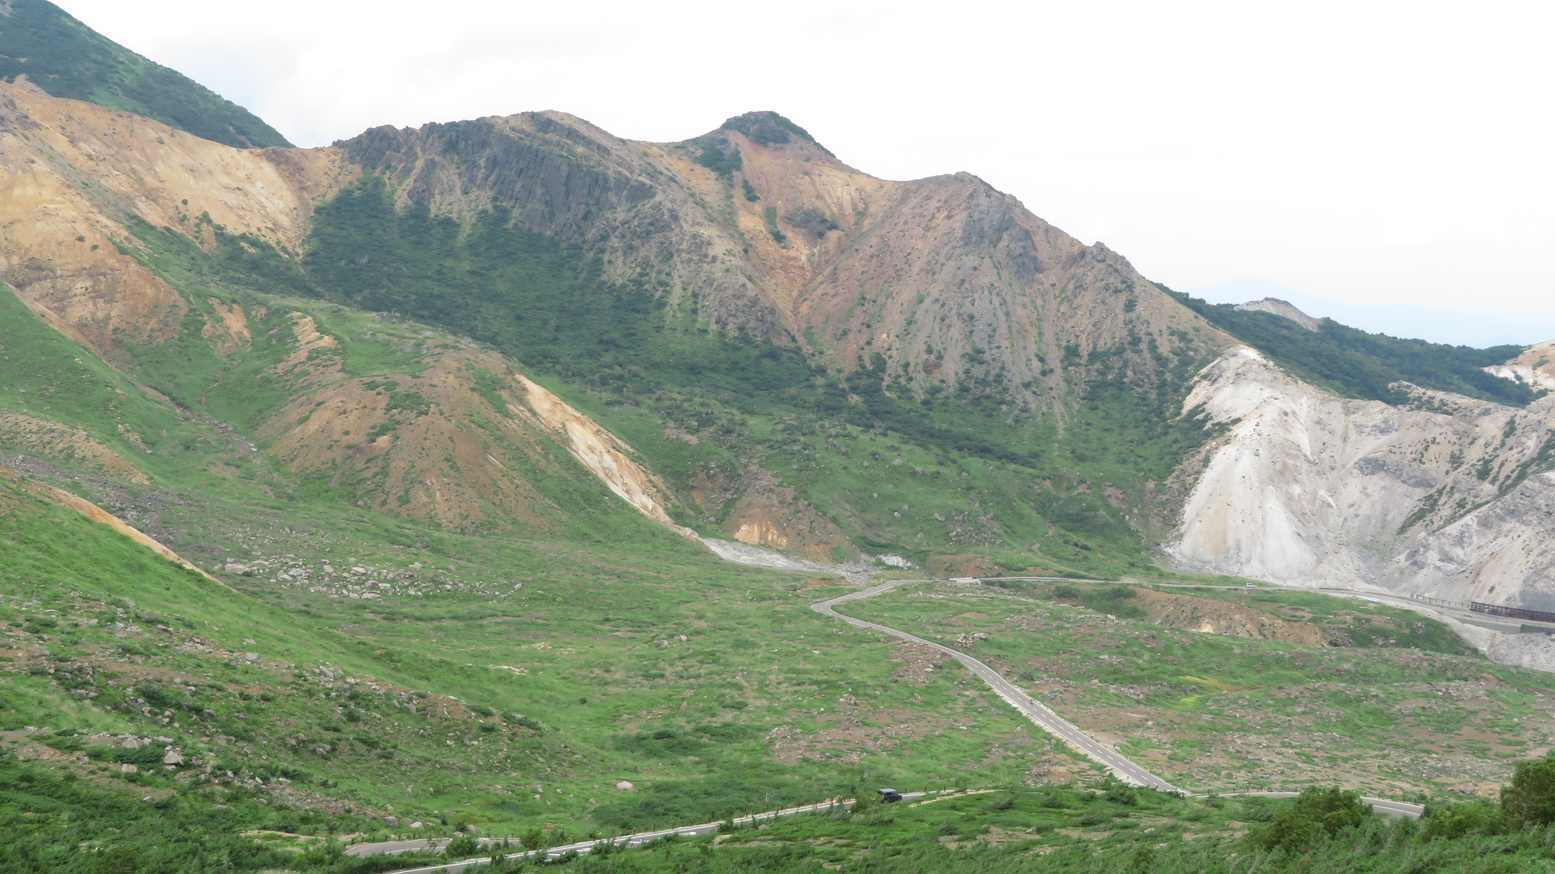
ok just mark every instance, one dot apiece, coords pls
pixel 41 43
pixel 905 302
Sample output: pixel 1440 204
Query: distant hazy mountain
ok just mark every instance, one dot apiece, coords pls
pixel 1460 325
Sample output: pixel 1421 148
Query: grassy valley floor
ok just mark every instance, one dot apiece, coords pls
pixel 1298 689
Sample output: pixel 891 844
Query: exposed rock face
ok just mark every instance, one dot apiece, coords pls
pixel 601 452
pixel 771 515
pixel 952 282
pixel 562 177
pixel 1284 309
pixel 1448 496
pixel 1534 368
pixel 761 231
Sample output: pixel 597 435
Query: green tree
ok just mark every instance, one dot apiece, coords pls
pixel 1530 799
pixel 1318 813
pixel 1460 820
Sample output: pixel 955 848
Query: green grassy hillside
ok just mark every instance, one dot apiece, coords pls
pixel 299 716
pixel 713 689
pixel 68 59
pixel 1117 830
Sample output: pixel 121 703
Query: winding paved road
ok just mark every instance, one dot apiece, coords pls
pixel 1042 716
pixel 1067 732
pixel 1071 736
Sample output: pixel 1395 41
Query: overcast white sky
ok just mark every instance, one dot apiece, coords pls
pixel 1386 163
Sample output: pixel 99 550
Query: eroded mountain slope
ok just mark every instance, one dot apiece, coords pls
pixel 820 361
pixel 161 253
pixel 940 283
pixel 1446 496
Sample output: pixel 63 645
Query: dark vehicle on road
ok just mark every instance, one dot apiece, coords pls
pixel 890 796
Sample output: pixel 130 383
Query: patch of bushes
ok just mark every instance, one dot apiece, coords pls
pixel 1317 814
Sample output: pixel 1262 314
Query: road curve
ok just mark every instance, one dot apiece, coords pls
pixel 1116 763
pixel 1044 718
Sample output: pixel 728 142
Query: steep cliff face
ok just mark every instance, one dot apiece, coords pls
pixel 1447 496
pixel 634 206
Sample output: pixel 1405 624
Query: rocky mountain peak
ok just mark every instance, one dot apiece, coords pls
pixel 1284 309
pixel 768 128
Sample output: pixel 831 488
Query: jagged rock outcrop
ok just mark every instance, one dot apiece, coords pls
pixel 951 282
pixel 629 204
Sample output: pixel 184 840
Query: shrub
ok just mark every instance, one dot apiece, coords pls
pixel 1530 799
pixel 1318 813
pixel 1118 792
pixel 1459 820
pixel 462 847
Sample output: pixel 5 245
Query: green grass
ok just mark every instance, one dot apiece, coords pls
pixel 68 59
pixel 1086 832
pixel 511 712
pixel 1211 711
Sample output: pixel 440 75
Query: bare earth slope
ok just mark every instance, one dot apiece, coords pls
pixel 446 431
pixel 1449 496
pixel 1283 309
